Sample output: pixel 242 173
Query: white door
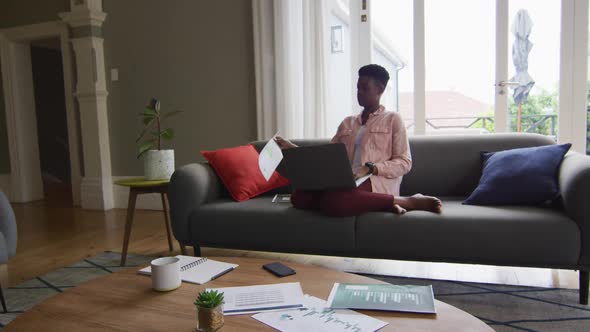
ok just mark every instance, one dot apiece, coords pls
pixel 451 64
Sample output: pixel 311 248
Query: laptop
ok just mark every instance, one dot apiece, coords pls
pixel 320 167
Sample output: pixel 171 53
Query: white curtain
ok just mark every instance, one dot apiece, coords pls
pixel 295 106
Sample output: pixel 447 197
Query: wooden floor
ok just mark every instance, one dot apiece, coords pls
pixel 51 234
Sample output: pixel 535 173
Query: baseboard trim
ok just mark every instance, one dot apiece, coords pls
pixel 144 202
pixel 5 185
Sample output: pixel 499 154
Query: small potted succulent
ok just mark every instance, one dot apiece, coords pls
pixel 158 163
pixel 209 305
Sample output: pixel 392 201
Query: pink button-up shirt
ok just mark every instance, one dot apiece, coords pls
pixel 384 143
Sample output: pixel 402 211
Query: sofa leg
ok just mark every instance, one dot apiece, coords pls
pixel 197 250
pixel 584 283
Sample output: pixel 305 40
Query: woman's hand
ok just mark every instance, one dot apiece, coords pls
pixel 284 143
pixel 360 172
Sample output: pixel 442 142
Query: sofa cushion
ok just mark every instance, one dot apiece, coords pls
pixel 451 165
pixel 239 171
pixel 519 176
pixel 507 235
pixel 258 224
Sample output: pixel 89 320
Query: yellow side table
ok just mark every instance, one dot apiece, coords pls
pixel 138 186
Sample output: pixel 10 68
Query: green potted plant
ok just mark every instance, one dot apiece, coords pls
pixel 209 305
pixel 158 163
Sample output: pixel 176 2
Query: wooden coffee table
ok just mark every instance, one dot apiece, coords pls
pixel 124 301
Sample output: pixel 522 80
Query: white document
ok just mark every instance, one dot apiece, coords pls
pixel 270 157
pixel 360 181
pixel 316 316
pixel 252 299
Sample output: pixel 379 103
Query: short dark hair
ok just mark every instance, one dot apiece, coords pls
pixel 375 72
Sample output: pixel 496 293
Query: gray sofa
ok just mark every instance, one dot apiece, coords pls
pixel 449 167
pixel 8 237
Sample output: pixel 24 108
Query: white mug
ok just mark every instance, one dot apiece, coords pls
pixel 166 274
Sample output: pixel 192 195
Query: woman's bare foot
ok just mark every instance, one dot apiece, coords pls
pixel 398 209
pixel 419 202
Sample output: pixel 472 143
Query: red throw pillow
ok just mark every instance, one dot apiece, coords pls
pixel 239 171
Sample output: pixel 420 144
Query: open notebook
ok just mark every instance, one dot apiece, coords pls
pixel 198 270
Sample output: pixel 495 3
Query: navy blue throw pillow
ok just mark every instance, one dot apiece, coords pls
pixel 519 176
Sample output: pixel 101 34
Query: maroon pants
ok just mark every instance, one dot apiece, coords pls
pixel 343 203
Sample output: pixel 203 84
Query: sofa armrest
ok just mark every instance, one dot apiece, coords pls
pixel 8 233
pixel 574 184
pixel 190 187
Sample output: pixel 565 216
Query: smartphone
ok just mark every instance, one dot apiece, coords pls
pixel 279 269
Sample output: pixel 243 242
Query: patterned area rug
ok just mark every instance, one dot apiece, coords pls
pixel 503 307
pixel 25 295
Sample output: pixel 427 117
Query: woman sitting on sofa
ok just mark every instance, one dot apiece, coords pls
pixel 377 144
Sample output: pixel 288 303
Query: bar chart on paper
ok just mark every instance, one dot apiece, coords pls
pixel 407 298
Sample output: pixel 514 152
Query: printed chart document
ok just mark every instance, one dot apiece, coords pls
pixel 270 158
pixel 317 316
pixel 252 299
pixel 406 298
pixel 198 270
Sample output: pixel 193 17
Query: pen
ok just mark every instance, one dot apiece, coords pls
pixel 222 273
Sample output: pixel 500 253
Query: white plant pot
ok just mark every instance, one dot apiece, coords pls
pixel 158 164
